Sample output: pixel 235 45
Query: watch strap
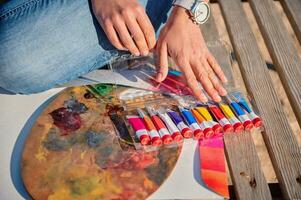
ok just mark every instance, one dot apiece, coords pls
pixel 187 4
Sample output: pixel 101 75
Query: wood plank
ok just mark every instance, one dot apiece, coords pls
pixel 243 162
pixel 248 179
pixel 278 136
pixel 282 50
pixel 292 9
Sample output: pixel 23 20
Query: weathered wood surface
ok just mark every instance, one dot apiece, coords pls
pixel 244 165
pixel 243 162
pixel 278 136
pixel 282 50
pixel 292 9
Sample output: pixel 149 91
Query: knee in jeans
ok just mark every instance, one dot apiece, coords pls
pixel 23 80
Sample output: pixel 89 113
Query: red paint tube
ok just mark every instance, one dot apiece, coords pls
pixel 160 126
pixel 222 120
pixel 153 133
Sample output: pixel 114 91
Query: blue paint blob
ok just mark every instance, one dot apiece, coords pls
pixel 54 142
pixel 76 107
pixel 93 139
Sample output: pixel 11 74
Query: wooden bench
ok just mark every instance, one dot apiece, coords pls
pixel 244 165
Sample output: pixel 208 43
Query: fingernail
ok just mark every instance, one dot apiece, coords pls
pixel 225 80
pixel 203 98
pixel 216 97
pixel 137 54
pixel 223 92
pixel 145 53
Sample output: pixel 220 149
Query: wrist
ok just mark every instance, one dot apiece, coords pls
pixel 180 13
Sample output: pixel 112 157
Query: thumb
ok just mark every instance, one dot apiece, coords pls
pixel 162 63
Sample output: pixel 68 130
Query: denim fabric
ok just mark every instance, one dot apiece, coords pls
pixel 44 43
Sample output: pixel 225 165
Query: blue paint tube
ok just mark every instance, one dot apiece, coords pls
pixel 193 124
pixel 178 120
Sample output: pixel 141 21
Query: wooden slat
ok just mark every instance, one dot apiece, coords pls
pixel 293 12
pixel 244 165
pixel 248 179
pixel 282 50
pixel 278 136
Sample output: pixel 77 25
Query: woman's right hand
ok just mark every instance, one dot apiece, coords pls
pixel 126 25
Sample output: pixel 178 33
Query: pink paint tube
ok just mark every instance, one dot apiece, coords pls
pixel 139 128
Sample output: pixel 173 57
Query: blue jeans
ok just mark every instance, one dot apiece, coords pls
pixel 44 43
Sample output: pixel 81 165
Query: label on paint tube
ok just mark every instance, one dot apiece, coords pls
pixel 141 132
pixel 182 125
pixel 212 123
pixel 233 120
pixel 253 115
pixel 194 126
pixel 223 122
pixel 243 118
pixel 153 133
pixel 163 131
pixel 205 125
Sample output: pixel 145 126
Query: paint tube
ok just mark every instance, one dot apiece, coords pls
pixel 237 125
pixel 243 103
pixel 173 129
pixel 153 133
pixel 222 120
pixel 216 127
pixel 160 126
pixel 139 128
pixel 204 125
pixel 177 119
pixel 197 132
pixel 240 113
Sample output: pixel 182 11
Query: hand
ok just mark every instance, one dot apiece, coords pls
pixel 183 41
pixel 126 25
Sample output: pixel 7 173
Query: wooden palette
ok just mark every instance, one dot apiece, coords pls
pixel 73 152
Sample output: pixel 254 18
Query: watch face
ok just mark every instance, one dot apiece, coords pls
pixel 202 12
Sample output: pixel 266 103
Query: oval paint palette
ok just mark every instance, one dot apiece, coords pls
pixel 73 151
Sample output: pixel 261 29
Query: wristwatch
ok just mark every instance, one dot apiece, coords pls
pixel 199 10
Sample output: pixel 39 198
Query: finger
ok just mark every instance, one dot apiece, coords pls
pixel 137 35
pixel 148 29
pixel 191 80
pixel 202 76
pixel 214 80
pixel 162 62
pixel 125 37
pixel 217 69
pixel 112 35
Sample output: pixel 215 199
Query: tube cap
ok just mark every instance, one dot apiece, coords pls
pixel 144 139
pixel 217 128
pixel 177 137
pixel 208 132
pixel 228 128
pixel 166 139
pixel 257 122
pixel 248 125
pixel 186 132
pixel 238 127
pixel 156 141
pixel 198 134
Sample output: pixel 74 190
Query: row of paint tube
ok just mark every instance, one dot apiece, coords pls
pixel 163 127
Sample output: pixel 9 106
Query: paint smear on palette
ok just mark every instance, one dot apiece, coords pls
pixel 212 165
